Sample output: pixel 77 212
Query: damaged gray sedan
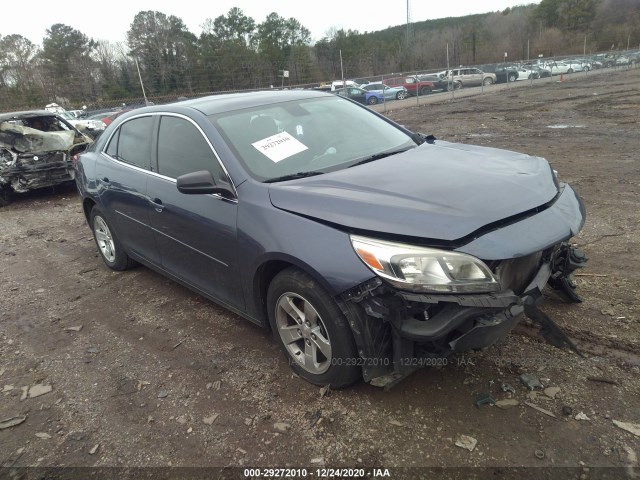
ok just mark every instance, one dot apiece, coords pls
pixel 367 249
pixel 36 150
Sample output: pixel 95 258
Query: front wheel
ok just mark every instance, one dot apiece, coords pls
pixel 401 95
pixel 312 330
pixel 425 91
pixel 372 100
pixel 108 244
pixel 570 70
pixel 512 78
pixel 488 81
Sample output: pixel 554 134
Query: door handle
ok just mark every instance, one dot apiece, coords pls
pixel 157 204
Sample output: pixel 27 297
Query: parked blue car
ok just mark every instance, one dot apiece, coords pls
pixel 367 249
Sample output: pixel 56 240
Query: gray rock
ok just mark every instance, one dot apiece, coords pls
pixel 281 427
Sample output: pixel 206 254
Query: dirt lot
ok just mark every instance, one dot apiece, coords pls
pixel 146 373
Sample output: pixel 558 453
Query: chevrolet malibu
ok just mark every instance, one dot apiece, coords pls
pixel 367 249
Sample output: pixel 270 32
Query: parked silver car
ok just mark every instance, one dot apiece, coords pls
pixel 389 93
pixel 471 77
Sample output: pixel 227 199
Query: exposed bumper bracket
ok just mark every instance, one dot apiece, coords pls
pixel 549 329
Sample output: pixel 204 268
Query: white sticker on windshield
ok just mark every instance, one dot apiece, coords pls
pixel 279 146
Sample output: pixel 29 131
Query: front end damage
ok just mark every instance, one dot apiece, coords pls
pixel 398 330
pixel 32 159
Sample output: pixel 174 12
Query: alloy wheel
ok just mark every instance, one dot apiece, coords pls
pixel 104 239
pixel 303 333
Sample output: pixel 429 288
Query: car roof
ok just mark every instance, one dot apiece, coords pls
pixel 236 101
pixel 26 114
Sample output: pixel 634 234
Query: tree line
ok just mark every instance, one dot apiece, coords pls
pixel 234 52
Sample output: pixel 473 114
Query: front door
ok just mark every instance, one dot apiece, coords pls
pixel 196 234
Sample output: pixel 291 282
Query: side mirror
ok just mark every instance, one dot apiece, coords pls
pixel 421 138
pixel 202 182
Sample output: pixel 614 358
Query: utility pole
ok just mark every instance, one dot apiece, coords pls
pixel 141 84
pixel 342 72
pixel 408 24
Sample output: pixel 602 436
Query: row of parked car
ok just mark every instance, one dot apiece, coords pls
pixel 400 87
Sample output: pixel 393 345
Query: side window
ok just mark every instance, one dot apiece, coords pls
pixel 182 149
pixel 112 149
pixel 133 142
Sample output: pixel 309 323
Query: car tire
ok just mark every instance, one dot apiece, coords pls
pixel 488 81
pixel 570 70
pixel 372 100
pixel 401 95
pixel 107 242
pixel 425 91
pixel 512 78
pixel 312 331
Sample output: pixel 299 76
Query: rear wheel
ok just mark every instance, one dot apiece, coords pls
pixel 372 100
pixel 512 78
pixel 570 70
pixel 312 330
pixel 108 244
pixel 401 95
pixel 425 91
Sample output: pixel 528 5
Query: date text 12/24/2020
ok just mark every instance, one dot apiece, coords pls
pixel 324 472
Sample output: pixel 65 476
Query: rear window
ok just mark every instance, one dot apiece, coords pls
pixel 132 142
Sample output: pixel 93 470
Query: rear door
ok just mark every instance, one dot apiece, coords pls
pixel 122 172
pixel 196 234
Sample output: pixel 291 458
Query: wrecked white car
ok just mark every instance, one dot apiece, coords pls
pixel 36 149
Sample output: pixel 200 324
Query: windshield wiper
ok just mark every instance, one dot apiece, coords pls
pixel 378 156
pixel 293 176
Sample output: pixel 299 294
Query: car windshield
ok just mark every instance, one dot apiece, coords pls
pixel 307 136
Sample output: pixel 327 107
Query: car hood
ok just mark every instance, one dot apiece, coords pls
pixel 441 191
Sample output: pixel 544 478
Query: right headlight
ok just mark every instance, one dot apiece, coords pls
pixel 424 269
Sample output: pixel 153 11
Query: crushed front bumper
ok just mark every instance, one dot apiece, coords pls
pixel 31 171
pixel 398 331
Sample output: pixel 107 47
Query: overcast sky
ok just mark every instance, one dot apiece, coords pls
pixel 110 19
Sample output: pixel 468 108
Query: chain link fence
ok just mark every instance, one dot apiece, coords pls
pixel 418 83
